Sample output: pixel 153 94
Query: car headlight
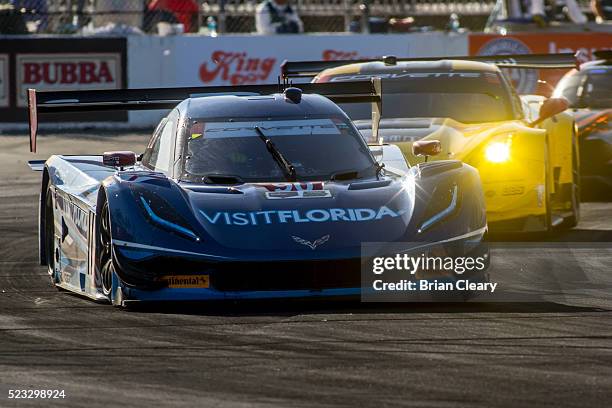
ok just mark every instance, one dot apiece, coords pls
pixel 498 150
pixel 167 224
pixel 443 205
pixel 162 214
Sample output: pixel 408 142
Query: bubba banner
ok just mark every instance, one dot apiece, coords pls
pixel 526 81
pixel 59 64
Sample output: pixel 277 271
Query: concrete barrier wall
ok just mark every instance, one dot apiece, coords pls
pixel 152 61
pixel 248 59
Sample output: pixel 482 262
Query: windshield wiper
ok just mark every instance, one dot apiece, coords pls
pixel 283 163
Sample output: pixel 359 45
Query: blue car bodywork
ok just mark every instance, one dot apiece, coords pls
pixel 172 237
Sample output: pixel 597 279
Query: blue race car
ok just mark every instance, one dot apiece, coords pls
pixel 242 192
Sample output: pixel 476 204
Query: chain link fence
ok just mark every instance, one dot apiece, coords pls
pixel 230 16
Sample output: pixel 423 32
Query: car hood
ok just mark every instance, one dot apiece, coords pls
pixel 325 216
pixel 457 139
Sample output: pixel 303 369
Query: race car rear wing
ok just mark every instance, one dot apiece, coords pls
pixel 167 98
pixel 304 69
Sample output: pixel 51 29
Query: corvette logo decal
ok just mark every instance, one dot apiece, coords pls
pixel 312 245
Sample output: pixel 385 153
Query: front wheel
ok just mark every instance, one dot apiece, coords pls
pixel 51 251
pixel 104 256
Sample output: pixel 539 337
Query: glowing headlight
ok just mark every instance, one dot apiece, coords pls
pixel 167 224
pixel 497 152
pixel 442 214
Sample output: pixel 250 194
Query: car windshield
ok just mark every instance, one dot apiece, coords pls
pixel 592 89
pixel 468 97
pixel 319 148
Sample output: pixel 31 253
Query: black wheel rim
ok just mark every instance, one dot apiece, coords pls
pixel 106 265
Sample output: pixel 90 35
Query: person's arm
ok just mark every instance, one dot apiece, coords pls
pixel 597 11
pixel 574 12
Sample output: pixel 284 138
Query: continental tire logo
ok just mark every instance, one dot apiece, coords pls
pixel 187 281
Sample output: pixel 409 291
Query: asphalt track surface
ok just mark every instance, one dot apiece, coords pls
pixel 542 353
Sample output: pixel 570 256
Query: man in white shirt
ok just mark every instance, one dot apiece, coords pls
pixel 277 17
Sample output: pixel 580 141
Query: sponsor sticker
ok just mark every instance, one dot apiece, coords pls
pixel 252 218
pixel 302 127
pixel 280 195
pixel 295 190
pixel 187 281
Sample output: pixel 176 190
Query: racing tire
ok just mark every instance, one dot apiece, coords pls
pixel 51 252
pixel 104 252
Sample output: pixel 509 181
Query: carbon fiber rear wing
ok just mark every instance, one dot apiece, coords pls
pixel 168 98
pixel 297 69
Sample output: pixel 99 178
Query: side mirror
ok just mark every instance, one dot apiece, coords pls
pixel 426 148
pixel 549 108
pixel 119 159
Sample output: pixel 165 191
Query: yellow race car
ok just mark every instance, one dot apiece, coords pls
pixel 525 148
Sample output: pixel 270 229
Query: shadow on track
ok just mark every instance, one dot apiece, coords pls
pixel 572 235
pixel 335 306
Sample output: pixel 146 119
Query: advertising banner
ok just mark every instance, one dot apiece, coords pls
pixel 59 64
pixel 526 81
pixel 254 59
pixel 59 72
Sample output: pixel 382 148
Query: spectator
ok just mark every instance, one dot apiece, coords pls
pixel 172 11
pixel 602 9
pixel 277 17
pixel 36 14
pixel 535 9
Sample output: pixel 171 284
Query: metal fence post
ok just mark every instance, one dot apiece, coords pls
pixel 221 18
pixel 348 15
pixel 365 16
pixel 199 18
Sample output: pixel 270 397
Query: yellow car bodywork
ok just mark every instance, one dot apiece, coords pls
pixel 516 184
pixel 529 173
